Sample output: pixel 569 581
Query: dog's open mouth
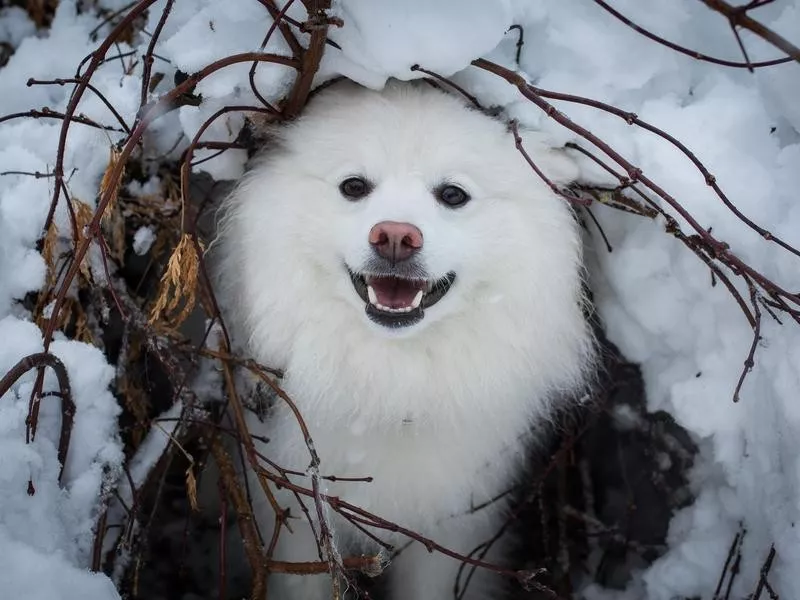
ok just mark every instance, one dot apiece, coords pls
pixel 396 302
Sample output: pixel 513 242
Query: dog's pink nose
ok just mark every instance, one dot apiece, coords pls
pixel 395 241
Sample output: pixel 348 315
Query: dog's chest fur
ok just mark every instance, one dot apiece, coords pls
pixel 436 439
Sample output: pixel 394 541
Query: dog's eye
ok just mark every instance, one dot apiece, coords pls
pixel 355 188
pixel 452 195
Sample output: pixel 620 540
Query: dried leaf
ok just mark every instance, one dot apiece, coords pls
pixel 83 216
pixel 191 488
pixel 178 291
pixel 108 182
pixel 49 251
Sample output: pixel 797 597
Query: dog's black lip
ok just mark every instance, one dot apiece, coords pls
pixel 394 320
pixel 439 289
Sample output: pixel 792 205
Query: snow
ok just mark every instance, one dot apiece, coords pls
pixel 381 38
pixel 143 240
pixel 654 296
pixel 15 25
pixel 23 569
pixel 51 530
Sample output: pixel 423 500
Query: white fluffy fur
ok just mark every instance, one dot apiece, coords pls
pixel 438 414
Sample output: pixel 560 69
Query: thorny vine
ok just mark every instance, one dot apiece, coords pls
pixel 185 275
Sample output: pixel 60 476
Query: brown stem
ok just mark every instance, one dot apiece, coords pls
pixel 563 193
pixel 311 57
pixel 716 248
pixel 244 516
pixel 683 50
pixel 370 565
pixel 148 55
pixel 40 360
pixel 297 49
pixel 739 18
pixel 93 89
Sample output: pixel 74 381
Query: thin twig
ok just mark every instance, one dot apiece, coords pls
pixel 763 583
pixel 565 193
pixel 312 56
pixel 738 17
pixel 683 50
pixel 148 55
pixel 103 99
pixel 40 360
pixel 244 514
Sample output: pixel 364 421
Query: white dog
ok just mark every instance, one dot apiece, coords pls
pixel 420 286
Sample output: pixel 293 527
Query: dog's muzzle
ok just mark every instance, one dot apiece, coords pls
pixel 397 300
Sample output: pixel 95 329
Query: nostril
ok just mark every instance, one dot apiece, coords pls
pixel 378 236
pixel 380 242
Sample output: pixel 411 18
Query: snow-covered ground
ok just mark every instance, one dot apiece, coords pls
pixel 655 297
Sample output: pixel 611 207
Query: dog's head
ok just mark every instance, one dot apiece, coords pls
pixel 390 212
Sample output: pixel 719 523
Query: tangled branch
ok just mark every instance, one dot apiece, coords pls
pixel 159 337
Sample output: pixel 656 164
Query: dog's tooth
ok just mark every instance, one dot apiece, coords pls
pixel 417 300
pixel 398 310
pixel 373 297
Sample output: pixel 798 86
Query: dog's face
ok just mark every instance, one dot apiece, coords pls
pixel 396 210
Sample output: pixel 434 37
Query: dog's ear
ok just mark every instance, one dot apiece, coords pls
pixel 554 162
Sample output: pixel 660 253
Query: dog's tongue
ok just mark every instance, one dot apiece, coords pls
pixel 393 292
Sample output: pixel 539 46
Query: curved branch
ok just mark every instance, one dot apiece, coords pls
pixel 737 15
pixel 45 359
pixel 688 52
